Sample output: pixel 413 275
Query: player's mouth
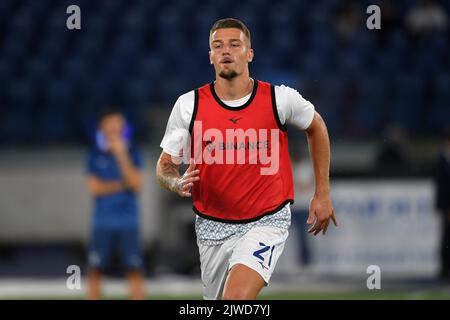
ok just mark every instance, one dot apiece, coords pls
pixel 226 61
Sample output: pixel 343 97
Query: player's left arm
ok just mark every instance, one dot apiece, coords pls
pixel 321 207
pixel 299 112
pixel 132 176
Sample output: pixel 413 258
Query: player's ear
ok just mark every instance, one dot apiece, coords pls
pixel 251 54
pixel 210 60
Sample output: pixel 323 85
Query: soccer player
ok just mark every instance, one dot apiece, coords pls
pixel 114 180
pixel 242 206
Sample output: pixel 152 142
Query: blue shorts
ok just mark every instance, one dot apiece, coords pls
pixel 105 241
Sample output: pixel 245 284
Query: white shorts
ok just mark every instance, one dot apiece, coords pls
pixel 258 249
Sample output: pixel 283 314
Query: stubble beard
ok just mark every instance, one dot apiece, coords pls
pixel 228 74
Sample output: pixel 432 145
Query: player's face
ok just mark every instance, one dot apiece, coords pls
pixel 230 52
pixel 112 126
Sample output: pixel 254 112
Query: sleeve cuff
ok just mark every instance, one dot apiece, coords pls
pixel 170 151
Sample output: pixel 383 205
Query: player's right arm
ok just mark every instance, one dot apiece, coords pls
pixel 98 187
pixel 168 175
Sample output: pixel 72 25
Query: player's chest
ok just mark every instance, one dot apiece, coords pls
pixel 243 119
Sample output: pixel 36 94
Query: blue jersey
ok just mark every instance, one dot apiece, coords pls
pixel 117 210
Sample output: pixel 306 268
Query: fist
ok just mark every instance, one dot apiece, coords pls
pixel 117 145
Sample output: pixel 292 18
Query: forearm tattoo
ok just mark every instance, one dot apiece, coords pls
pixel 168 174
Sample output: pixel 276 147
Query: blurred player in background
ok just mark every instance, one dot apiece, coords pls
pixel 243 216
pixel 114 180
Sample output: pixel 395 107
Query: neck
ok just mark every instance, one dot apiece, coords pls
pixel 233 89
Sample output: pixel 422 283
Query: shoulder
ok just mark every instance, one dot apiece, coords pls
pixel 186 99
pixel 285 92
pixel 285 97
pixel 184 106
pixel 92 159
pixel 92 153
pixel 292 107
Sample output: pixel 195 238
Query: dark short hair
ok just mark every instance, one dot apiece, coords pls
pixel 110 111
pixel 231 23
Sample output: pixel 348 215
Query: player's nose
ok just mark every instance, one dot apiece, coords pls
pixel 225 50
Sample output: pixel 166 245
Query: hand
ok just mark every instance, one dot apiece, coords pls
pixel 117 145
pixel 184 184
pixel 321 211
